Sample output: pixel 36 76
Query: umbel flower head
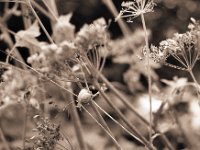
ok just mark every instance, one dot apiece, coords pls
pixel 133 9
pixel 184 48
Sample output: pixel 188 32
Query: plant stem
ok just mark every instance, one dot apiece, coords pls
pixel 103 126
pixel 130 107
pixel 42 10
pixel 96 73
pixel 25 17
pixel 77 125
pixel 114 120
pixel 103 123
pixel 51 6
pixel 25 122
pixel 149 76
pixel 40 22
pixel 196 83
pixel 8 39
pixel 135 131
pixel 124 28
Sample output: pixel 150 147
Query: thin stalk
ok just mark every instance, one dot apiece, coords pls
pixel 51 6
pixel 196 83
pixel 108 133
pixel 3 28
pixel 133 129
pixel 127 131
pixel 77 125
pixel 67 141
pixel 194 78
pixel 24 126
pixel 26 19
pixel 40 22
pixel 149 77
pixel 121 97
pixel 124 28
pixel 10 52
pixel 131 108
pixel 42 10
pixel 104 124
pixel 100 118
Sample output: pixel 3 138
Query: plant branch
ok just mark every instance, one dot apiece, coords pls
pixel 77 125
pixel 149 76
pixel 135 131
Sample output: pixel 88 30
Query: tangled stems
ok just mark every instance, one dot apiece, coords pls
pixel 130 11
pixel 138 136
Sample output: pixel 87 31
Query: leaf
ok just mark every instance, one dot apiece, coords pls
pixel 27 38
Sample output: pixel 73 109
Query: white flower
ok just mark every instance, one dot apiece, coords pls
pixel 134 9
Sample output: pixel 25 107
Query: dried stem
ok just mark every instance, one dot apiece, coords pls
pixel 104 124
pixel 42 10
pixel 77 125
pixel 130 107
pixel 138 136
pixel 104 129
pixel 40 22
pixel 149 77
pixel 125 29
pixel 25 123
pixel 196 84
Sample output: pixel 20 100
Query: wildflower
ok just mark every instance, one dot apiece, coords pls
pixel 63 29
pixel 91 35
pixel 135 8
pixel 184 48
pixel 157 54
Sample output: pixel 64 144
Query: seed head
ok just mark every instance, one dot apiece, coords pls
pixel 135 8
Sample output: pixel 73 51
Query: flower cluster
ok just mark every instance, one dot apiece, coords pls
pixel 13 88
pixel 51 54
pixel 51 58
pixel 63 29
pixel 91 35
pixel 184 48
pixel 135 8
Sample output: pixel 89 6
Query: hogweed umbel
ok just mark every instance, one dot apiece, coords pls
pixel 133 9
